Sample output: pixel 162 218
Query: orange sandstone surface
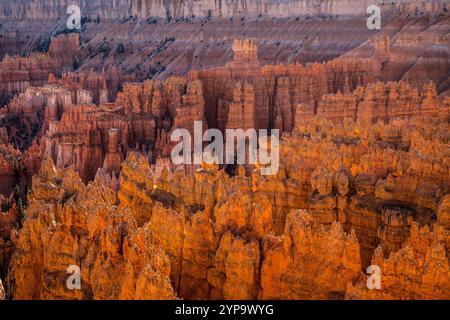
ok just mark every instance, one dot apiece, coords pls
pixel 364 178
pixel 342 200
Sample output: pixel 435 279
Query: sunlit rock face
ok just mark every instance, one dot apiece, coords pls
pixel 257 237
pixel 2 292
pixel 86 178
pixel 105 240
pixel 79 126
pixel 419 270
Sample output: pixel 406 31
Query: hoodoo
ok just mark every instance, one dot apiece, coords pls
pixel 224 150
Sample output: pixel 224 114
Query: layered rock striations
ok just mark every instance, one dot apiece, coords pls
pixel 101 86
pixel 86 179
pixel 240 95
pixel 90 137
pixel 415 52
pixel 28 115
pixel 381 102
pixel 271 94
pixel 205 8
pixel 200 34
pixel 17 73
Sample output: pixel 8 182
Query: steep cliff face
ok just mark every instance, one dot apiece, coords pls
pixel 414 52
pixel 364 153
pixel 300 31
pixel 204 8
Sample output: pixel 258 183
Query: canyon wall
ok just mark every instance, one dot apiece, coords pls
pixel 240 95
pixel 85 171
pixel 273 91
pixel 416 54
pixel 204 8
pixel 28 115
pixel 413 45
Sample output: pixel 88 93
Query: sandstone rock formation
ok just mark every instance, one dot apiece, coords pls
pixel 271 93
pixel 92 137
pixel 102 87
pixel 216 230
pixel 17 73
pixel 381 101
pixel 205 8
pixel 10 222
pixel 8 160
pixel 2 291
pixel 309 261
pixel 86 178
pixel 415 53
pixel 9 218
pixel 417 33
pixel 28 115
pixel 420 270
pixel 116 257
